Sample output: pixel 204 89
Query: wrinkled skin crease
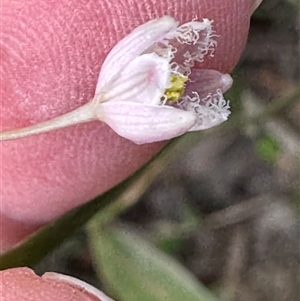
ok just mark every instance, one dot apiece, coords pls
pixel 52 53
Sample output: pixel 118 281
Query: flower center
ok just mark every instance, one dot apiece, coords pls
pixel 176 89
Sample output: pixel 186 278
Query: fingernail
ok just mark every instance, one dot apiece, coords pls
pixel 255 5
pixel 83 286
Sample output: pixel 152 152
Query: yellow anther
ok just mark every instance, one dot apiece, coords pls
pixel 177 88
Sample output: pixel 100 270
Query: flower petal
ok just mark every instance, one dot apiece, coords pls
pixel 203 96
pixel 206 81
pixel 210 111
pixel 142 123
pixel 192 41
pixel 144 80
pixel 132 46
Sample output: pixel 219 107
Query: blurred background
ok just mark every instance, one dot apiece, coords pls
pixel 228 209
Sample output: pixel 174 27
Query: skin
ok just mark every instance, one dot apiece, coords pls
pixel 51 55
pixel 23 284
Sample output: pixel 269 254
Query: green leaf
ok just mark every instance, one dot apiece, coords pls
pixel 134 270
pixel 123 195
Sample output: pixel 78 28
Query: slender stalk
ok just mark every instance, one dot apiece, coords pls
pixel 82 114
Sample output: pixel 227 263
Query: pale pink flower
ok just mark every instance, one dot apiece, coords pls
pixel 148 88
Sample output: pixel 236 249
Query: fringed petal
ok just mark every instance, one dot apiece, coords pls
pixel 210 111
pixel 190 43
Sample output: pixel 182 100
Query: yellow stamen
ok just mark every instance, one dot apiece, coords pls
pixel 177 87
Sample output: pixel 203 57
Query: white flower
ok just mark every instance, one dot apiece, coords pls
pixel 148 88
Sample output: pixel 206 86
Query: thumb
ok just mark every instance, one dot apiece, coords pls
pixel 23 284
pixel 52 52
